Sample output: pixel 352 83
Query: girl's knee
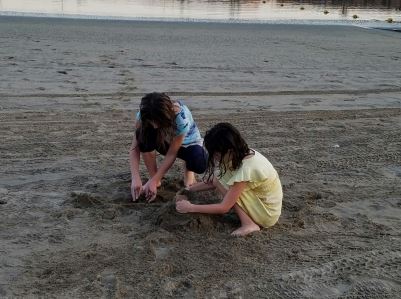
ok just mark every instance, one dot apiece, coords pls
pixel 195 158
pixel 198 166
pixel 199 169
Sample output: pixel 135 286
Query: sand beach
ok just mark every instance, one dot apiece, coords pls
pixel 322 103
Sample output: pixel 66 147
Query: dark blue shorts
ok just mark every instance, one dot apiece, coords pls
pixel 195 156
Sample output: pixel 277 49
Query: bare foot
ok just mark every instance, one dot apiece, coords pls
pixel 245 230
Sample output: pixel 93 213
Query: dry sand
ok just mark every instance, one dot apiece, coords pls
pixel 322 103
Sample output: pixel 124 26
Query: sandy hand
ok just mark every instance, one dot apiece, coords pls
pixel 183 206
pixel 150 190
pixel 136 188
pixel 179 197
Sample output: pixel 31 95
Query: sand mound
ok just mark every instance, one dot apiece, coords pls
pixel 114 200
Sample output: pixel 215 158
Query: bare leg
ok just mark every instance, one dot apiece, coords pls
pixel 189 178
pixel 149 158
pixel 247 224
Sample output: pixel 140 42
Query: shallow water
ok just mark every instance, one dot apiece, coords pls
pixel 276 11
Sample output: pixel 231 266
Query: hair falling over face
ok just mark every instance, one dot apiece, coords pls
pixel 226 149
pixel 157 113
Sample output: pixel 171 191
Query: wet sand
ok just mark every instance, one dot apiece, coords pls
pixel 323 103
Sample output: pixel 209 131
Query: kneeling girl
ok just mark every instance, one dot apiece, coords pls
pixel 246 179
pixel 166 126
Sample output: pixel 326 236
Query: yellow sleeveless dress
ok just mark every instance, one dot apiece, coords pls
pixel 262 196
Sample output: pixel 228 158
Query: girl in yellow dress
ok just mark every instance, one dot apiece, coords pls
pixel 246 179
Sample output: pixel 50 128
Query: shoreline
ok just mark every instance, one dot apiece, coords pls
pixel 370 24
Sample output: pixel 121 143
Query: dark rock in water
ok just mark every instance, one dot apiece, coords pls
pixel 3 202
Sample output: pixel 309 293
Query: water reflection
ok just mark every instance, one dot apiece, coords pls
pixel 349 3
pixel 214 9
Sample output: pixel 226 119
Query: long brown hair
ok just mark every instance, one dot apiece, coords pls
pixel 157 109
pixel 224 139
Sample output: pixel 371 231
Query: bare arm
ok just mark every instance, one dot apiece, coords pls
pixel 150 188
pixel 229 200
pixel 187 192
pixel 134 156
pixel 201 186
pixel 169 158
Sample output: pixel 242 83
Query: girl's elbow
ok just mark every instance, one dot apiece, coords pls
pixel 225 209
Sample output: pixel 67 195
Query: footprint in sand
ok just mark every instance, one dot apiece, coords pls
pixel 180 288
pixel 354 274
pixel 56 237
pixel 160 244
pixel 85 200
pixel 3 194
pixel 109 282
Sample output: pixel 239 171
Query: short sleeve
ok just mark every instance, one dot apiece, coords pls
pixel 243 174
pixel 182 122
pixel 254 171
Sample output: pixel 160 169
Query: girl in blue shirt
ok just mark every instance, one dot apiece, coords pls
pixel 165 126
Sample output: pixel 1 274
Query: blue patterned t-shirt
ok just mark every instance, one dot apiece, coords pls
pixel 185 125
